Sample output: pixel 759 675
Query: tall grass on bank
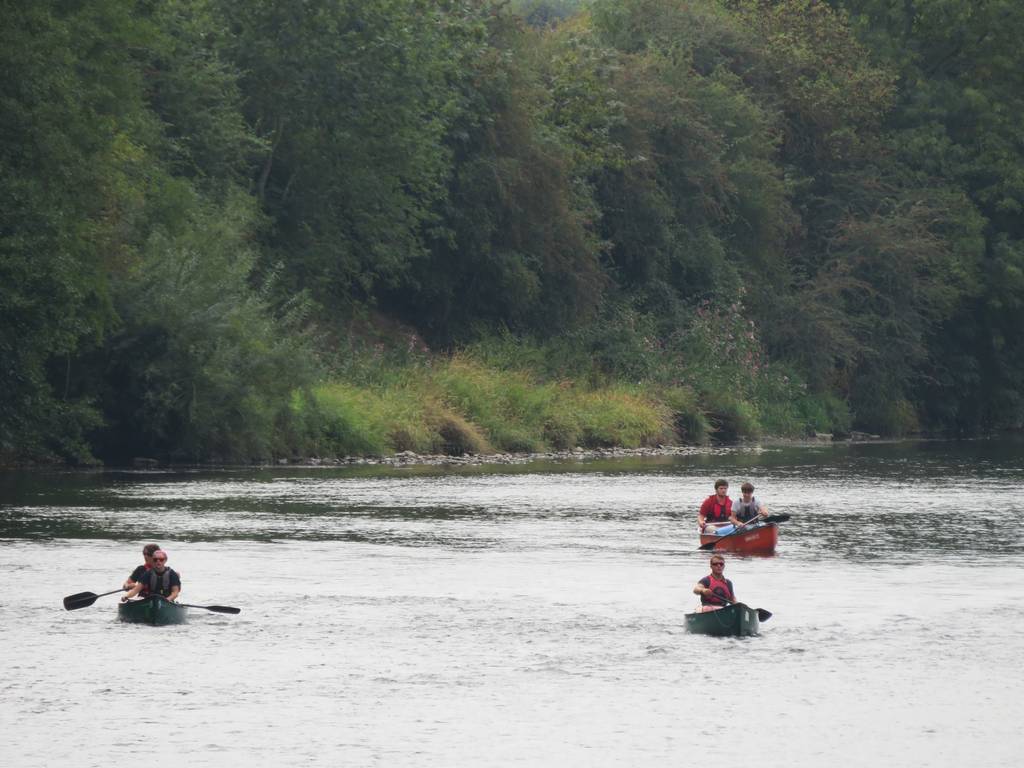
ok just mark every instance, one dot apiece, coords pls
pixel 713 382
pixel 463 406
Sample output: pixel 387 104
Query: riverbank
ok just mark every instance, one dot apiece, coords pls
pixel 411 458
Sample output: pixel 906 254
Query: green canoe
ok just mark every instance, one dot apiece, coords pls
pixel 734 620
pixel 152 610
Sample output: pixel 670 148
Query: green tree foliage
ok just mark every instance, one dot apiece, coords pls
pixel 71 122
pixel 202 369
pixel 120 144
pixel 884 253
pixel 958 122
pixel 515 246
pixel 787 214
pixel 352 100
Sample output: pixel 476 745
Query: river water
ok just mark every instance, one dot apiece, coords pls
pixel 522 615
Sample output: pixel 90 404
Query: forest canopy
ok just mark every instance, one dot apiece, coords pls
pixel 235 231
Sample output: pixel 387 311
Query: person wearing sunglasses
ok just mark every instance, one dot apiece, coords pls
pixel 161 580
pixel 714 589
pixel 140 571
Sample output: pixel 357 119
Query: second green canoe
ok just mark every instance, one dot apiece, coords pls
pixel 152 610
pixel 735 620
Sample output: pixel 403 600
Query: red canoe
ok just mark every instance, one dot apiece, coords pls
pixel 759 540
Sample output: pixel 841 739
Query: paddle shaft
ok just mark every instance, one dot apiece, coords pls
pixel 214 608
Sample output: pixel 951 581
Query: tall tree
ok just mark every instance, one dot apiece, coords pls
pixel 352 99
pixel 515 247
pixel 72 126
pixel 959 120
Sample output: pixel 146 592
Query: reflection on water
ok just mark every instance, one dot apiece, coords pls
pixel 525 615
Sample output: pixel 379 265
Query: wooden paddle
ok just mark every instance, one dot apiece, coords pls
pixel 85 599
pixel 769 519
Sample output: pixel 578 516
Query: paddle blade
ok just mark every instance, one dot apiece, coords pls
pixel 79 600
pixel 763 615
pixel 85 599
pixel 778 518
pixel 709 545
pixel 223 609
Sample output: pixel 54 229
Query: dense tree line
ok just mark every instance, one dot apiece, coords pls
pixel 802 214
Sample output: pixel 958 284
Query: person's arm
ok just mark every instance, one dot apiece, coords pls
pixel 702 515
pixel 175 586
pixel 700 589
pixel 134 576
pixel 133 591
pixel 762 510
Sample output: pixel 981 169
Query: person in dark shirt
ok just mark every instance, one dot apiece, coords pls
pixel 714 589
pixel 142 570
pixel 161 580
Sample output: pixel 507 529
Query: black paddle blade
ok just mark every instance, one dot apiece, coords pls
pixel 222 609
pixel 85 599
pixel 709 545
pixel 763 615
pixel 79 600
pixel 778 518
pixel 214 608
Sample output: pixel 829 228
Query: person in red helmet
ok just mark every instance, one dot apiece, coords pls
pixel 161 580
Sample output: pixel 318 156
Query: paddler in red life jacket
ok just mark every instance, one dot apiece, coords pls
pixel 716 508
pixel 714 589
pixel 146 567
pixel 161 580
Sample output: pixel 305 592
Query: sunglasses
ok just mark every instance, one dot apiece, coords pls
pixel 159 559
pixel 717 563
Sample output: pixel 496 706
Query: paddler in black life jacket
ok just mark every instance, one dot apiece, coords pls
pixel 747 508
pixel 161 580
pixel 714 589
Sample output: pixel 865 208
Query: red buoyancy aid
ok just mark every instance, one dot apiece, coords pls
pixel 721 591
pixel 718 513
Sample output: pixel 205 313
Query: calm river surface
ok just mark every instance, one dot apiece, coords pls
pixel 524 615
